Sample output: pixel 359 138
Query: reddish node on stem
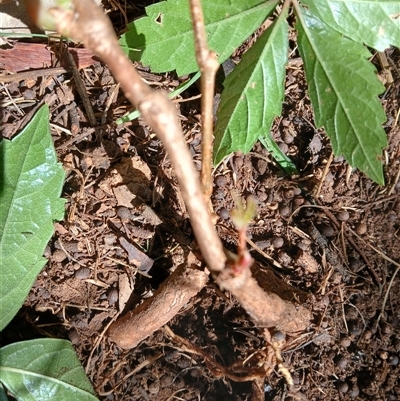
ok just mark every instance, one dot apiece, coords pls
pixel 243 262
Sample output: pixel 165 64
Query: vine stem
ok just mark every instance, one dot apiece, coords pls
pixel 208 64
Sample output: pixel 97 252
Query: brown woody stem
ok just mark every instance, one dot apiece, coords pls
pixel 208 65
pixel 90 25
pixel 183 284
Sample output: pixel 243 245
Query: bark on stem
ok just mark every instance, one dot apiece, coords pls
pixel 265 309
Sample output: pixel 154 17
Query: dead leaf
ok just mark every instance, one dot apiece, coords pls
pixel 124 290
pixel 124 196
pixel 132 172
pixel 100 159
pixel 136 256
pixel 149 215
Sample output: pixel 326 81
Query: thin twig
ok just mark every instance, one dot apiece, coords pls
pixel 12 100
pixel 82 90
pixel 217 369
pixel 110 101
pixel 324 174
pixel 352 243
pixel 25 75
pixel 208 64
pixel 393 262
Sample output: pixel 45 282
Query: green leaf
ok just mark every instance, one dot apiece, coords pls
pixel 343 89
pixel 284 161
pixel 181 88
pixel 44 370
pixel 253 93
pixel 164 39
pixel 373 22
pixel 30 186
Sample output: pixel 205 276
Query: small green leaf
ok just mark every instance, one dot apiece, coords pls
pixel 30 186
pixel 373 22
pixel 284 161
pixel 164 39
pixel 343 88
pixel 44 370
pixel 242 215
pixel 253 93
pixel 181 88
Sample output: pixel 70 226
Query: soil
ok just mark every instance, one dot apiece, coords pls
pixel 329 232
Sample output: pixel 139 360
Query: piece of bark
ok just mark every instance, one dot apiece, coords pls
pixel 30 56
pixel 158 310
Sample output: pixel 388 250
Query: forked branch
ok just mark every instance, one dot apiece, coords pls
pixel 87 23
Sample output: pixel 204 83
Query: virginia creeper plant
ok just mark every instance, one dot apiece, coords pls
pixel 332 39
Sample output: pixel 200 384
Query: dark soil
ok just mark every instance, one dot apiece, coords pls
pixel 328 231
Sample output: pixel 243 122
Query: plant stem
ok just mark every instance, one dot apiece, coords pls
pixel 88 24
pixel 208 65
